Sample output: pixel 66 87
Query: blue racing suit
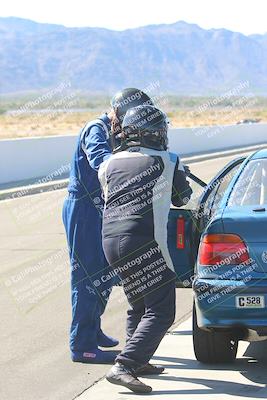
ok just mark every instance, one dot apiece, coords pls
pixel 82 217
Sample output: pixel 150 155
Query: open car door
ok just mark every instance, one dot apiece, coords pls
pixel 186 224
pixel 181 239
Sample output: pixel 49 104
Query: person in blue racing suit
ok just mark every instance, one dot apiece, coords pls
pixel 82 217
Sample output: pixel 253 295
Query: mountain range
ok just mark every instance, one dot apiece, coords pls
pixel 183 58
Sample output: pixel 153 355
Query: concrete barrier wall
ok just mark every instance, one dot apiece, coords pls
pixel 22 159
pixel 207 139
pixel 30 158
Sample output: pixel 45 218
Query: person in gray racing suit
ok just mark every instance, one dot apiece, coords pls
pixel 139 183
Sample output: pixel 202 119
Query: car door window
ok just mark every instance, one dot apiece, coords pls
pixel 217 191
pixel 222 187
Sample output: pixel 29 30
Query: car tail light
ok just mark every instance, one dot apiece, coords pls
pixel 180 233
pixel 224 249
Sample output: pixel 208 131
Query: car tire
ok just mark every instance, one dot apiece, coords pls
pixel 213 347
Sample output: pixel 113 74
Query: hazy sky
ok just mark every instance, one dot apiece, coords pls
pixel 246 16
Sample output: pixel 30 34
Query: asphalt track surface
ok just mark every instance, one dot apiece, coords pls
pixel 35 300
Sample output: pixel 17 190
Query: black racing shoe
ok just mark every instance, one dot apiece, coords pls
pixel 149 369
pixel 123 376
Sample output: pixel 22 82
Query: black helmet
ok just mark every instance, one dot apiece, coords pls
pixel 129 98
pixel 145 126
pixel 121 102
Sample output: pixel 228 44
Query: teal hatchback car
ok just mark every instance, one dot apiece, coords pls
pixel 219 247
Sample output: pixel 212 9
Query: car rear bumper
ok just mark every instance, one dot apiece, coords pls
pixel 216 304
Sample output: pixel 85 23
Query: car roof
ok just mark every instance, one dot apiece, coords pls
pixel 259 154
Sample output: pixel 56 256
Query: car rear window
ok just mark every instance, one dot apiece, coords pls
pixel 251 186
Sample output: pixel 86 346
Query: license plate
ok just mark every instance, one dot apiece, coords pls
pixel 250 301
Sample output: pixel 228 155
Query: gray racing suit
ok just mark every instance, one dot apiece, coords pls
pixel 139 185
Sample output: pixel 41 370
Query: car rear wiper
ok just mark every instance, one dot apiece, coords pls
pixel 197 180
